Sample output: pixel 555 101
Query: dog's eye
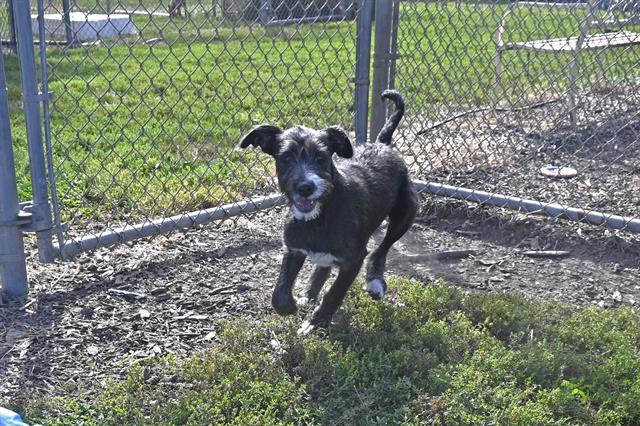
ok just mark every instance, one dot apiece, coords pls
pixel 286 157
pixel 320 158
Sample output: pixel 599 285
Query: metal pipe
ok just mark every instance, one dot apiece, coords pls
pixel 531 206
pixel 306 20
pixel 13 269
pixel 574 65
pixel 265 12
pixel 394 45
pixel 40 207
pixel 381 60
pixel 201 217
pixel 162 226
pixel 363 61
pixel 66 17
pixel 47 125
pixel 12 27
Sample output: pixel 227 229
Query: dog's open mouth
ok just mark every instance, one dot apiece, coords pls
pixel 304 205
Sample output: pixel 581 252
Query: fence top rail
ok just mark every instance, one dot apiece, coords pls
pixel 575 5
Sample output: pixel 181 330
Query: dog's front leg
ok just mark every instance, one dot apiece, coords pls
pixel 282 298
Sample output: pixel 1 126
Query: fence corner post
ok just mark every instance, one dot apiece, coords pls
pixel 13 270
pixel 363 61
pixel 381 64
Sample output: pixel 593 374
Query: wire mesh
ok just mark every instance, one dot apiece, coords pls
pixel 147 115
pixel 7 32
pixel 145 125
pixel 491 115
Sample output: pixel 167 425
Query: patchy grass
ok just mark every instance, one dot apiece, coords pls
pixel 149 130
pixel 428 355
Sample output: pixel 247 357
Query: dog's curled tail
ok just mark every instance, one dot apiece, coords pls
pixel 390 126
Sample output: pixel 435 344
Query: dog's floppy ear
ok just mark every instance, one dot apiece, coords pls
pixel 337 141
pixel 265 136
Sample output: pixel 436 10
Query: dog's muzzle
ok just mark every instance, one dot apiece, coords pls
pixel 304 205
pixel 306 197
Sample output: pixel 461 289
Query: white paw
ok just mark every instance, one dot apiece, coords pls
pixel 306 328
pixel 302 300
pixel 375 288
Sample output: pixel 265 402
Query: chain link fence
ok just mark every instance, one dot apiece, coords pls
pixel 500 95
pixel 145 126
pixel 145 120
pixel 7 30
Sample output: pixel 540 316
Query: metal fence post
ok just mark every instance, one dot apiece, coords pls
pixel 13 270
pixel 12 27
pixel 265 12
pixel 44 79
pixel 66 17
pixel 363 61
pixel 40 208
pixel 381 62
pixel 394 44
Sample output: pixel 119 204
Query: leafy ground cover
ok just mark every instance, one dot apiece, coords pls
pixel 430 354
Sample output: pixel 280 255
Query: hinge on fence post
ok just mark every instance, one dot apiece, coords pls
pixel 386 56
pixel 23 218
pixel 32 217
pixel 40 97
pixel 360 81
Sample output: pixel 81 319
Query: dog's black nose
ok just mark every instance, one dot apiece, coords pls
pixel 306 188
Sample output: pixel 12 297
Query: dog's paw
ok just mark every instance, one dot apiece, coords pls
pixel 305 301
pixel 376 288
pixel 284 303
pixel 312 325
pixel 306 328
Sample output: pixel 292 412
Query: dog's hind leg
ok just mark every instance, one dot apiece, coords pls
pixel 319 276
pixel 400 220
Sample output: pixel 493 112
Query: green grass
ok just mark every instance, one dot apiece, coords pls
pixel 140 130
pixel 144 131
pixel 431 356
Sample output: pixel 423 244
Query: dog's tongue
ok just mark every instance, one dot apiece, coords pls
pixel 305 205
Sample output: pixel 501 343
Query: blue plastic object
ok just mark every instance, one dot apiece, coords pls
pixel 9 418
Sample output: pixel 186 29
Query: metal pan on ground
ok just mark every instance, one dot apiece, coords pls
pixel 558 172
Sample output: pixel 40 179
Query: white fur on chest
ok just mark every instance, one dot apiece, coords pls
pixel 319 258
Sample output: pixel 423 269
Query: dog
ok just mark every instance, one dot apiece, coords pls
pixel 336 205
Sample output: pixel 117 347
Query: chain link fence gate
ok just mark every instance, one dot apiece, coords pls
pixel 143 126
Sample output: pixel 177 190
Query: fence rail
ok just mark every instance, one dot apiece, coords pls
pixel 150 99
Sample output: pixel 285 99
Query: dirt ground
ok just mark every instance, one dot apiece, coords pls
pixel 87 321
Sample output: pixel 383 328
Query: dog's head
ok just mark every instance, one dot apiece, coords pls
pixel 304 162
